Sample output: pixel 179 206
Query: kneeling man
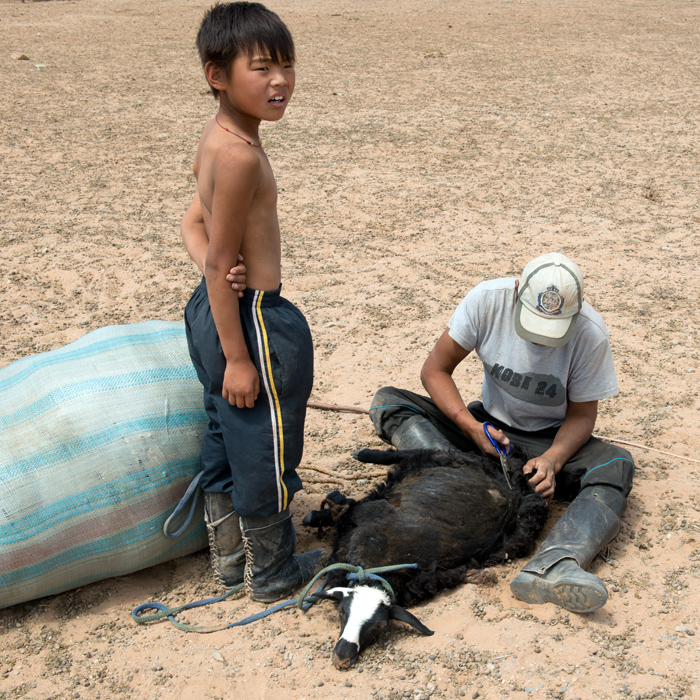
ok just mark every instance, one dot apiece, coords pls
pixel 547 362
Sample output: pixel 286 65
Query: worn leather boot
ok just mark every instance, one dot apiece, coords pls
pixel 556 574
pixel 418 433
pixel 272 570
pixel 225 540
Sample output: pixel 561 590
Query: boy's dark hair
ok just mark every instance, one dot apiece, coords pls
pixel 230 29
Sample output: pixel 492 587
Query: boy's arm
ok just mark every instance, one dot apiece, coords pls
pixel 194 236
pixel 236 178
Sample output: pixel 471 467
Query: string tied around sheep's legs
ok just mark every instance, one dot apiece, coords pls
pixel 357 573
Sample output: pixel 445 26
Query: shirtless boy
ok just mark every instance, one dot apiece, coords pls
pixel 253 355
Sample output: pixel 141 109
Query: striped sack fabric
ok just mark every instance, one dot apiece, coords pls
pixel 98 442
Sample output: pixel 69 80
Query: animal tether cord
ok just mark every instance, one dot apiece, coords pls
pixel 303 602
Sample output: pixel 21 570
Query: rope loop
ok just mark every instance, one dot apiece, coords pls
pixel 303 602
pixel 190 494
pixel 169 613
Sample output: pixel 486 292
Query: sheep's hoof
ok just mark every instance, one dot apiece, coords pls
pixel 565 584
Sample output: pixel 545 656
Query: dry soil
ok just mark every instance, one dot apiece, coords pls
pixel 430 145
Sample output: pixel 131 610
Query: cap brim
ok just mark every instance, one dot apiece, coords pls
pixel 553 332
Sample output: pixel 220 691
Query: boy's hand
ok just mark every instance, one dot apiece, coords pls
pixel 241 384
pixel 237 277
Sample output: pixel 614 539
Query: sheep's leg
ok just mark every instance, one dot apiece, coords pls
pixel 382 456
pixel 556 574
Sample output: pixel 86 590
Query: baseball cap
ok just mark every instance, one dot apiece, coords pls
pixel 549 300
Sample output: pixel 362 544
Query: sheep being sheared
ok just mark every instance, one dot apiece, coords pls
pixel 447 512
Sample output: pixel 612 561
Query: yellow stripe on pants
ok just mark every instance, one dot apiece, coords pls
pixel 273 388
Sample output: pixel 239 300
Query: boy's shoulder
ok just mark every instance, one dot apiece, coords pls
pixel 236 158
pixel 229 157
pixel 228 144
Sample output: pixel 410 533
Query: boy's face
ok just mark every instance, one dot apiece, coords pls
pixel 258 87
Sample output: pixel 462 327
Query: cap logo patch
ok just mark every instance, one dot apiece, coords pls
pixel 550 302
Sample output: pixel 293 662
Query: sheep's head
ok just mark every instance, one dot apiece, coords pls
pixel 364 610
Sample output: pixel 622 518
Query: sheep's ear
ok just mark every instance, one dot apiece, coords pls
pixel 336 594
pixel 398 613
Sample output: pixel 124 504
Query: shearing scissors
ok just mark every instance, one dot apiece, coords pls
pixel 502 454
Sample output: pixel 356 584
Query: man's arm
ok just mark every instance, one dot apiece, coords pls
pixel 572 435
pixel 436 376
pixel 194 236
pixel 236 179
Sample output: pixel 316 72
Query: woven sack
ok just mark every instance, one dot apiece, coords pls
pixel 98 441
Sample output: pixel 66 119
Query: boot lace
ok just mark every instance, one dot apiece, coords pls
pixel 249 563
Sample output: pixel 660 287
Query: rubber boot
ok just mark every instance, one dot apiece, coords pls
pixel 556 574
pixel 225 540
pixel 418 433
pixel 272 570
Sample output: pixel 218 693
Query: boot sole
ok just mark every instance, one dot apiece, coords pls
pixel 576 597
pixel 270 598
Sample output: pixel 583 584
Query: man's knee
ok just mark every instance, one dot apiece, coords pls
pixel 383 411
pixel 385 397
pixel 615 468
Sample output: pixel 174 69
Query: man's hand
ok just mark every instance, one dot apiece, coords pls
pixel 237 277
pixel 543 475
pixel 241 384
pixel 573 433
pixel 476 434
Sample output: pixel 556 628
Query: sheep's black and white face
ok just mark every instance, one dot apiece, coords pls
pixel 364 610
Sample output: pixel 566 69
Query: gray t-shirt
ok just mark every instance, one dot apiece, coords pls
pixel 529 386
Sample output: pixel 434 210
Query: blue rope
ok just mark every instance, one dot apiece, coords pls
pixel 363 578
pixel 359 574
pixel 165 612
pixel 169 613
pixel 191 489
pixel 303 602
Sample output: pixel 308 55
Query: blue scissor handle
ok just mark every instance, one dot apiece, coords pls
pixel 497 445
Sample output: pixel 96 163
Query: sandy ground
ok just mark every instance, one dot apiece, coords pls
pixel 430 145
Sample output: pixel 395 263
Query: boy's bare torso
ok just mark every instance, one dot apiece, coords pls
pixel 234 211
pixel 260 237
